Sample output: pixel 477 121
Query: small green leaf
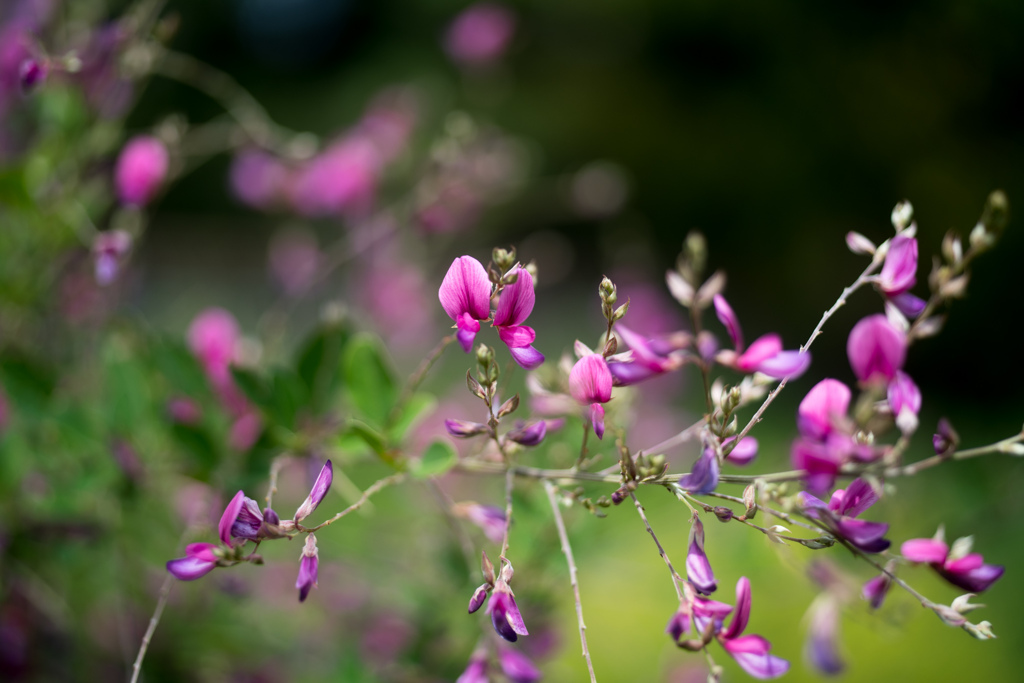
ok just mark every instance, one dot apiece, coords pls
pixel 412 412
pixel 369 378
pixel 374 439
pixel 437 459
pixel 319 363
pixel 255 388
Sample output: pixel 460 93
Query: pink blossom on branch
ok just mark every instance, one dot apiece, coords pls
pixel 967 571
pixel 141 169
pixel 764 355
pixel 514 306
pixel 590 383
pixel 465 296
pixel 480 34
pixel 876 348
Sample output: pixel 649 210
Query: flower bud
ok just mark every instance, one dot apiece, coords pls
pixel 308 565
pixel 31 73
pixel 462 429
pixel 723 513
pixel 902 214
pixel 529 434
pixel 508 406
pixel 859 244
pixel 996 213
pixel 320 488
pixel 750 501
pixel 479 597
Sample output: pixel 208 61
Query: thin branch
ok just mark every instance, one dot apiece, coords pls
pixel 563 536
pixel 275 470
pixel 509 481
pixel 374 488
pixel 676 579
pixel 165 590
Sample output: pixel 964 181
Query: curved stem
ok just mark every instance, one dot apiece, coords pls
pixel 165 590
pixel 676 579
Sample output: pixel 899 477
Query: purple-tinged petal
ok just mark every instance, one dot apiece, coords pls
pixel 189 568
pixel 141 169
pixel 900 267
pixel 868 536
pixel 202 551
pixel 516 301
pixel 678 624
pixel 703 478
pixel 904 401
pixel 480 34
pixel 489 518
pixel 527 357
pixel 467 329
pixel 590 381
pixel 822 647
pixel 752 654
pixel 479 596
pixel 308 566
pixel 476 671
pixel 809 502
pixel 728 318
pixel 908 304
pixel 528 435
pixel 320 488
pixel 466 289
pixel 742 616
pixel 762 349
pixel 822 408
pixel 597 419
pixel 857 498
pixel 876 349
pixel 517 667
pixel 790 364
pixel 698 568
pixel 875 590
pixel 974 580
pixel 743 453
pixel 505 616
pixel 945 440
pixel 625 374
pixel 820 462
pixel 248 522
pixel 461 429
pixel 227 520
pixel 924 550
pixel 517 336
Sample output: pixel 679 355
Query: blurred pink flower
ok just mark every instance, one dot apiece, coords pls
pixel 480 34
pixel 141 170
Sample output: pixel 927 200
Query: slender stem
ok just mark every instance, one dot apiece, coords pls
pixel 275 470
pixel 676 579
pixel 966 454
pixel 583 446
pixel 861 280
pixel 165 590
pixel 484 467
pixel 563 536
pixel 925 602
pixel 784 516
pixel 509 481
pixel 374 488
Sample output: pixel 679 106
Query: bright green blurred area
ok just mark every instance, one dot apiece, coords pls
pixel 772 129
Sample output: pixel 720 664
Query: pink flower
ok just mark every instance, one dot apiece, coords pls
pixel 764 355
pixel 201 558
pixel 514 306
pixel 465 296
pixel 340 180
pixel 109 248
pixel 822 646
pixel 904 401
pixel 875 590
pixel 823 409
pixel 258 179
pixel 141 169
pixel 839 516
pixel 647 357
pixel 703 478
pixel 480 34
pixel 968 572
pixel 590 382
pixel 320 488
pixel 505 616
pixel 517 667
pixel 742 453
pixel 899 270
pixel 877 349
pixel 476 670
pixel 213 337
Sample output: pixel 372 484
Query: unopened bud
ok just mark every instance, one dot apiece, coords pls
pixel 695 254
pixel 955 288
pixel 620 312
pixel 475 387
pixel 484 354
pixel 706 294
pixel 531 268
pixel 963 604
pixel 611 347
pixel 952 249
pixel 902 214
pixel 479 596
pixel 859 244
pixel 982 631
pixel 996 214
pixel 504 258
pixel 508 406
pixel 949 615
pixel 31 73
pixel 945 440
pixel 750 501
pixel 619 495
pixel 723 513
pixel 608 291
pixel 511 277
pixel 681 290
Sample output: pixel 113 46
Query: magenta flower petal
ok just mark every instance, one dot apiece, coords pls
pixel 517 336
pixel 752 654
pixel 476 670
pixel 790 364
pixel 822 408
pixel 590 381
pixel 820 462
pixel 744 452
pixel 876 349
pixel 857 498
pixel 742 616
pixel 904 395
pixel 308 567
pixel 320 488
pixel 678 624
pixel 822 647
pixel 761 350
pixel 597 419
pixel 249 520
pixel 461 429
pixel 975 580
pixel 466 289
pixel 900 267
pixel 703 478
pixel 517 667
pixel 527 357
pixel 505 616
pixel 924 550
pixel 528 435
pixel 875 590
pixel 868 536
pixel 467 329
pixel 516 301
pixel 480 34
pixel 227 520
pixel 728 318
pixel 698 568
pixel 189 568
pixel 202 551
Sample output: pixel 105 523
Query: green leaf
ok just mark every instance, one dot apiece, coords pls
pixel 255 388
pixel 439 457
pixel 126 395
pixel 412 412
pixel 179 368
pixel 13 189
pixel 372 438
pixel 369 378
pixel 203 455
pixel 319 364
pixel 289 397
pixel 27 383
